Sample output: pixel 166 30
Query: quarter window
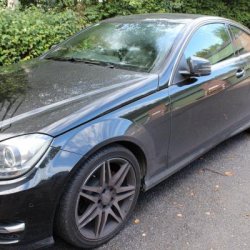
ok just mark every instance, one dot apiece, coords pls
pixel 211 42
pixel 241 40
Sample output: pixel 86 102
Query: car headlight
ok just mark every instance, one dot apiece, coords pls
pixel 19 154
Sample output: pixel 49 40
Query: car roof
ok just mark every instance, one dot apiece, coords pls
pixel 188 19
pixel 180 18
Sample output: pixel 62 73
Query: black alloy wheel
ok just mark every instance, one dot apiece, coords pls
pixel 100 198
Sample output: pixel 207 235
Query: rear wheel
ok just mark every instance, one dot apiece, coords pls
pixel 100 198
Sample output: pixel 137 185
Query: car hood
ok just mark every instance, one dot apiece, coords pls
pixel 39 95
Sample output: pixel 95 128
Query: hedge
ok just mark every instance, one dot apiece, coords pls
pixel 27 34
pixel 238 10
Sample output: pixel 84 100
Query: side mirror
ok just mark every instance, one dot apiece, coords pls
pixel 197 67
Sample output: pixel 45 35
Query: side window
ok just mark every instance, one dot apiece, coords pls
pixel 241 40
pixel 211 42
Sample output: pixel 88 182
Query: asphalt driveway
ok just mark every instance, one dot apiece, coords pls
pixel 204 206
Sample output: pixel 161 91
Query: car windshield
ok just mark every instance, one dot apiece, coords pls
pixel 134 46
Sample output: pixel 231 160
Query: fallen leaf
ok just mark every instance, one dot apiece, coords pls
pixel 136 221
pixel 228 173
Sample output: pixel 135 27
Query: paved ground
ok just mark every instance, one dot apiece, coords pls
pixel 205 206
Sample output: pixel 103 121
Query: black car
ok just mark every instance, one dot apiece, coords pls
pixel 113 110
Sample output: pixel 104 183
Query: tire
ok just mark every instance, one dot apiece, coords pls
pixel 99 198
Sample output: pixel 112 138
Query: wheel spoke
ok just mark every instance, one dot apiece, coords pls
pixel 109 175
pixel 124 195
pixel 118 208
pixel 101 222
pixel 89 197
pixel 117 218
pixel 98 221
pixel 120 176
pixel 125 189
pixel 88 215
pixel 102 175
pixel 93 189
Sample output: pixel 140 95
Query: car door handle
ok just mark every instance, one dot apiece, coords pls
pixel 215 89
pixel 240 73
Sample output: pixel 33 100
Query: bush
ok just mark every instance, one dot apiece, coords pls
pixel 3 3
pixel 238 10
pixel 27 34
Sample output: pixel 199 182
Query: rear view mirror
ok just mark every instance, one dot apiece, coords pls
pixel 197 67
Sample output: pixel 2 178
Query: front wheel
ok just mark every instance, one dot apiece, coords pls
pixel 99 198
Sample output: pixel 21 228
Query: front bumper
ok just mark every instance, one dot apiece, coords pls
pixel 28 204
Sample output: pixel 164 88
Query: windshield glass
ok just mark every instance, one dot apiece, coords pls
pixel 136 46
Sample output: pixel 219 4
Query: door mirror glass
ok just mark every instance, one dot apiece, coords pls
pixel 197 66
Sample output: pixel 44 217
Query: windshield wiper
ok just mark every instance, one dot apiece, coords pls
pixel 100 63
pixel 68 59
pixel 87 61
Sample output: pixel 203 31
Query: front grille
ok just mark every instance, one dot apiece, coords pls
pixel 11 233
pixel 9 237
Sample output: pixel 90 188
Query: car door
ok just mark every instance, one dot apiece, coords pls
pixel 205 109
pixel 241 41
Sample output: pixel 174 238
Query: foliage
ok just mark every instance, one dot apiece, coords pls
pixel 238 10
pixel 27 34
pixel 3 3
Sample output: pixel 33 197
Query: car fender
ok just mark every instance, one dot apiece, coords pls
pixel 91 137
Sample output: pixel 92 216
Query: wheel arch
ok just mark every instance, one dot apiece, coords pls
pixel 129 144
pixel 87 140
